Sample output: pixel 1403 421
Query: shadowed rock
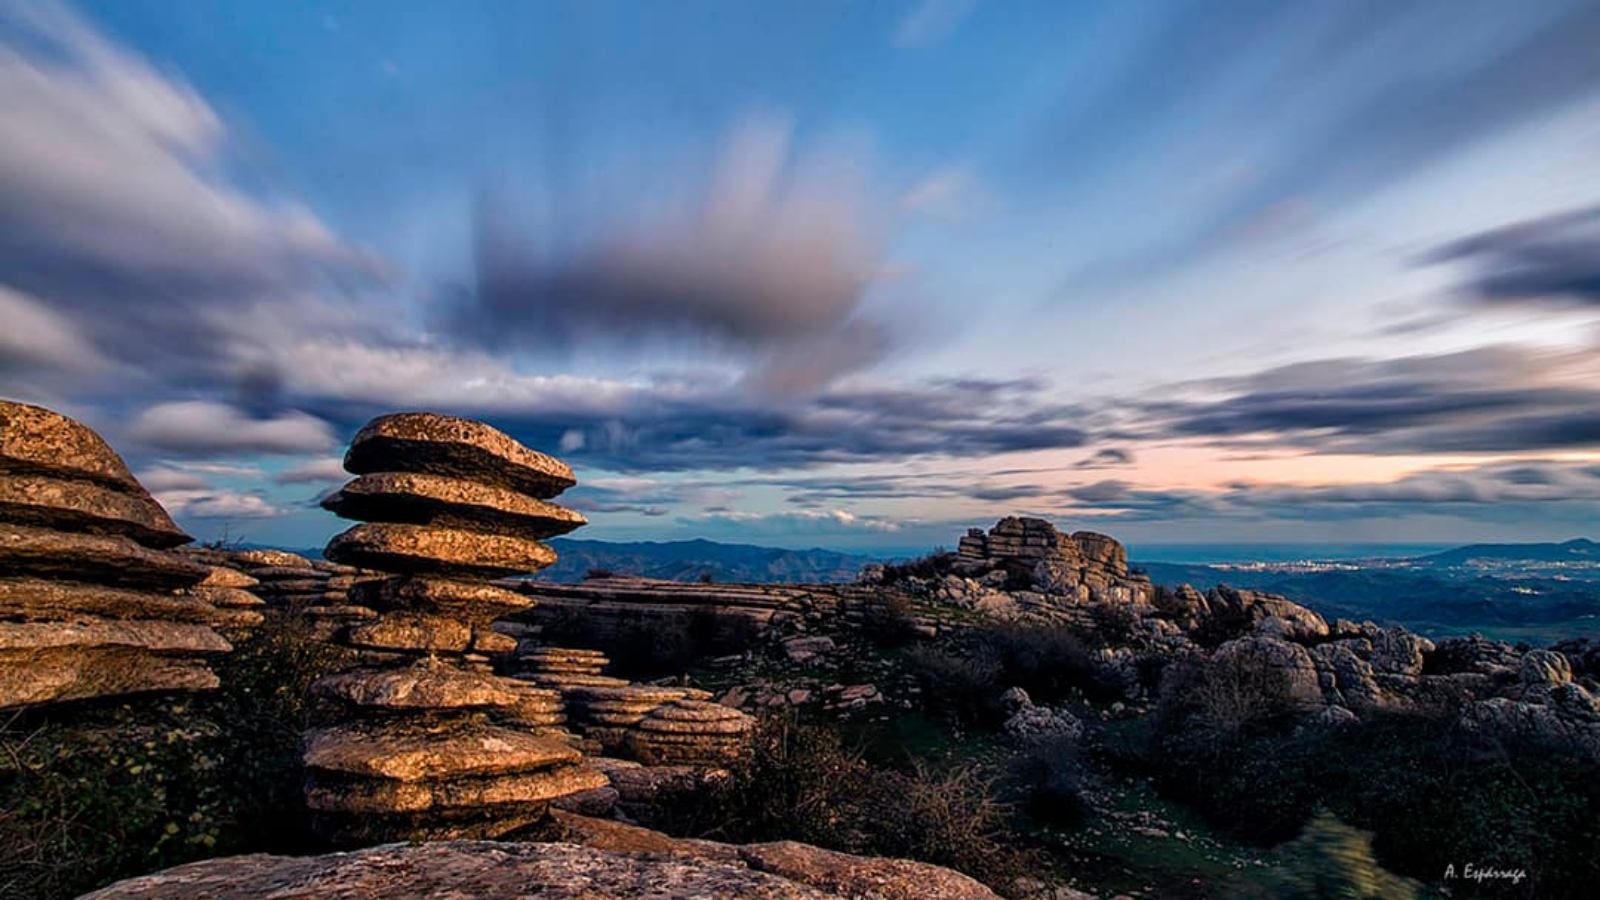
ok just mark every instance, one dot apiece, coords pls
pixel 458 448
pixel 49 662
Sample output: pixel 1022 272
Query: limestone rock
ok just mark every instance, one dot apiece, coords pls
pixel 35 440
pixel 508 871
pixel 458 448
pixel 41 600
pixel 446 551
pixel 408 754
pixel 419 499
pixel 48 502
pixel 437 595
pixel 48 662
pixel 101 559
pixel 424 686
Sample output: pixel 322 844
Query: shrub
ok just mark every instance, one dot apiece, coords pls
pixel 598 572
pixel 959 683
pixel 888 619
pixel 801 783
pixel 937 564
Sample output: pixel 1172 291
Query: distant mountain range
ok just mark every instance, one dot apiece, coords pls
pixel 1578 550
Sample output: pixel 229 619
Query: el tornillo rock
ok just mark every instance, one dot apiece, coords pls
pixel 433 745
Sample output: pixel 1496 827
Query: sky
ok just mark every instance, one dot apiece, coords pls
pixel 840 273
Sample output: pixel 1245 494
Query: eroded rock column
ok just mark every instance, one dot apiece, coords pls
pixel 436 746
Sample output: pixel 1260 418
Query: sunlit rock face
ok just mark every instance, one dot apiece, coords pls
pixel 434 744
pixel 92 601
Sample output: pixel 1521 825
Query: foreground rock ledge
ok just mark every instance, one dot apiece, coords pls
pixel 482 870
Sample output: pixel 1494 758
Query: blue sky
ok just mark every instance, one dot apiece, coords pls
pixel 838 273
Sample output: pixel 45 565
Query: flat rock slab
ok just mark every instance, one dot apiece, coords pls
pixel 409 755
pixel 458 448
pixel 412 632
pixel 38 599
pixel 387 796
pixel 98 558
pixel 420 499
pixel 464 870
pixel 263 558
pixel 422 549
pixel 54 662
pixel 419 687
pixel 438 595
pixel 34 440
pixel 49 502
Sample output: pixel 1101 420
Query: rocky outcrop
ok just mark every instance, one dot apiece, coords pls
pixel 1082 567
pixel 691 732
pixel 93 603
pixel 433 744
pixel 599 859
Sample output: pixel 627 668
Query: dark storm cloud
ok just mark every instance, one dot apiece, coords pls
pixel 1554 259
pixel 1497 399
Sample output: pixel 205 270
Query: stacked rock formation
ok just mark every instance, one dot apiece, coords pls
pixel 92 603
pixel 1085 564
pixel 691 732
pixel 439 747
pixel 563 668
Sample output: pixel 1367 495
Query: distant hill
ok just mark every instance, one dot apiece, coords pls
pixel 697 559
pixel 1577 550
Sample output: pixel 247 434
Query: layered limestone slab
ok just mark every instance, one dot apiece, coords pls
pixel 107 559
pixel 422 499
pixel 438 595
pixel 49 502
pixel 422 549
pixel 44 662
pixel 458 448
pixel 34 440
pixel 406 754
pixel 425 686
pixel 383 797
pixel 39 599
pixel 412 632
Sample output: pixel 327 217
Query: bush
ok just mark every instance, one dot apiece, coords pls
pixel 801 783
pixel 937 564
pixel 961 684
pixel 888 619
